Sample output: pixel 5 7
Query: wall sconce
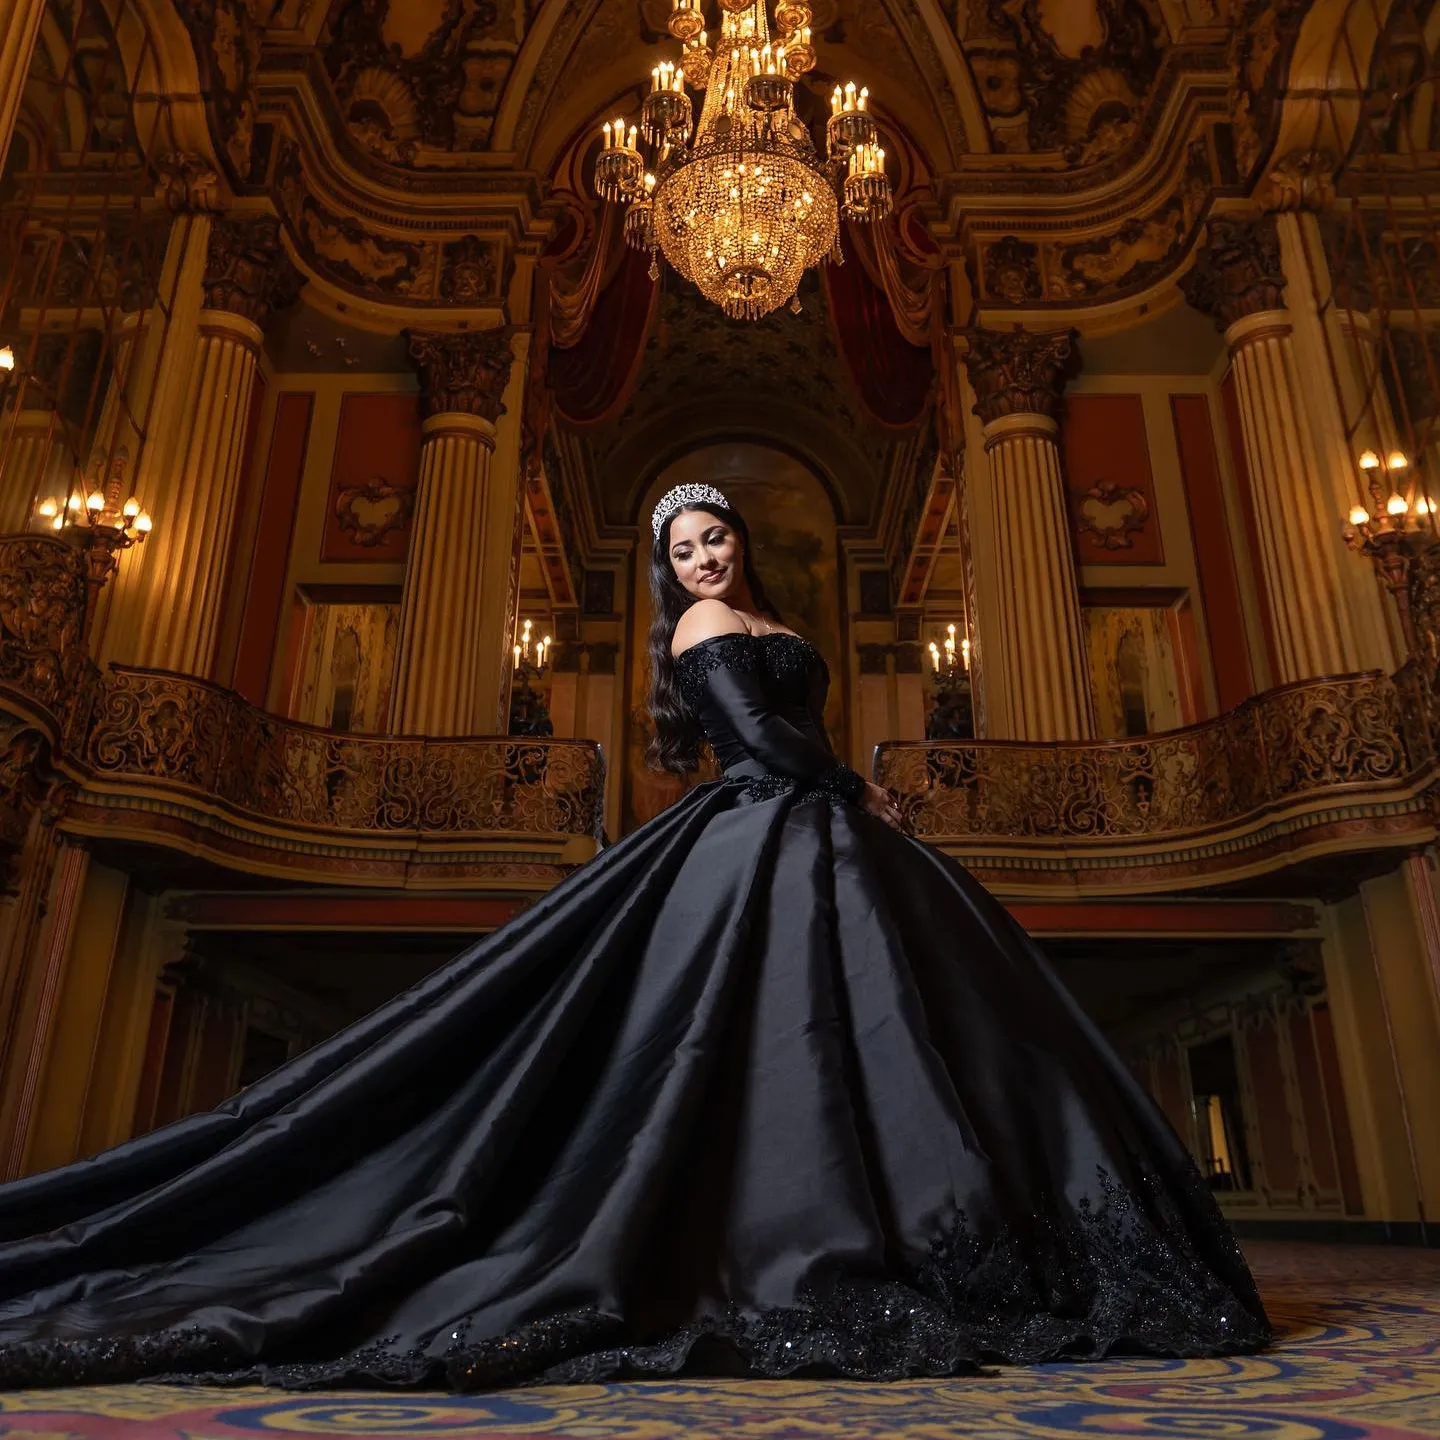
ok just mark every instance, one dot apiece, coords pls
pixel 1396 526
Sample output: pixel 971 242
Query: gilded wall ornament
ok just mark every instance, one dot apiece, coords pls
pixel 463 371
pixel 1012 271
pixel 469 272
pixel 368 513
pixel 1020 372
pixel 1113 514
pixel 1237 271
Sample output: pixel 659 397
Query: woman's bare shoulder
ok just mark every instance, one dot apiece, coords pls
pixel 704 620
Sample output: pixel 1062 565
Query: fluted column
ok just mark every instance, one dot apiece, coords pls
pixel 462 380
pixel 1319 620
pixel 19 27
pixel 31 452
pixel 147 417
pixel 1041 669
pixel 246 275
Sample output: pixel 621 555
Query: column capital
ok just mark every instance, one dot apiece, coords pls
pixel 1020 372
pixel 247 271
pixel 463 371
pixel 1237 271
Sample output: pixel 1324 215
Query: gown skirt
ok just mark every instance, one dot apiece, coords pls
pixel 766 1088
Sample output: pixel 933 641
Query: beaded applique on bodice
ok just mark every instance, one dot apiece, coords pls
pixel 775 697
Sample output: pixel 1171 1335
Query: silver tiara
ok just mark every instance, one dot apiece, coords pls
pixel 679 498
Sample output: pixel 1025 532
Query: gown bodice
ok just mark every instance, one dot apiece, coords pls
pixel 761 701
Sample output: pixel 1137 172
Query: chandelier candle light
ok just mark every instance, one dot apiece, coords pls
pixel 946 661
pixel 531 654
pixel 740 202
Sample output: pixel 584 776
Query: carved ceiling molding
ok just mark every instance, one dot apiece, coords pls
pixel 391 136
pixel 1037 269
pixel 1072 79
pixel 443 263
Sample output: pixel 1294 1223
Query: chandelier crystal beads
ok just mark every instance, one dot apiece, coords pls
pixel 739 201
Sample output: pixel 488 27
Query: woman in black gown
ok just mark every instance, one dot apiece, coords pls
pixel 765 1088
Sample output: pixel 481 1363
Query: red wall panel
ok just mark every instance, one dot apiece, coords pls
pixel 1108 476
pixel 1219 588
pixel 265 589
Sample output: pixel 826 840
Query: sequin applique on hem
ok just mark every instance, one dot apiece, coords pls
pixel 1106 1281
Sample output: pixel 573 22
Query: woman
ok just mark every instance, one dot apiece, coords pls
pixel 765 1088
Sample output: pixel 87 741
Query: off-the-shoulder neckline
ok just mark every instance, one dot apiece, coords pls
pixel 748 635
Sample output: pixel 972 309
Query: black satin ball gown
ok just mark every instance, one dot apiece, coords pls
pixel 765 1088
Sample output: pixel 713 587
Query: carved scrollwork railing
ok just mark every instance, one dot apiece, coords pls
pixel 154 726
pixel 42 607
pixel 202 747
pixel 1301 742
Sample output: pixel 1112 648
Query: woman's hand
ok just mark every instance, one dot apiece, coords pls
pixel 881 803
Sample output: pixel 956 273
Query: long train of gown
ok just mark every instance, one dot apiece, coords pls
pixel 765 1087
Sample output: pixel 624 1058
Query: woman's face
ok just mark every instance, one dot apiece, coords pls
pixel 706 554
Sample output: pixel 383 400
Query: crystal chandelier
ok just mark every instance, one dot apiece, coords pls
pixel 741 203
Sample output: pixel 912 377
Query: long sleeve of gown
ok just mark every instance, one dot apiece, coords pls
pixel 735 696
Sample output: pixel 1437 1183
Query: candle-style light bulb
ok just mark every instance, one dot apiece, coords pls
pixel 517 657
pixel 837 100
pixel 606 128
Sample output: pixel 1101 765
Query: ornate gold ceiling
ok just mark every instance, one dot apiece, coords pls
pixel 1060 154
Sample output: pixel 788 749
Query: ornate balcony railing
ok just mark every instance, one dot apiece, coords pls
pixel 150 754
pixel 1302 741
pixel 1327 766
pixel 153 726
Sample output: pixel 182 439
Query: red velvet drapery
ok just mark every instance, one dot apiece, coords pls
pixel 590 381
pixel 893 376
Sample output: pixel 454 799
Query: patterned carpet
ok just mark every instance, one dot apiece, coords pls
pixel 1358 1359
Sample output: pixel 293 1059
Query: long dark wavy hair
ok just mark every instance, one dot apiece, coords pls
pixel 678 736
